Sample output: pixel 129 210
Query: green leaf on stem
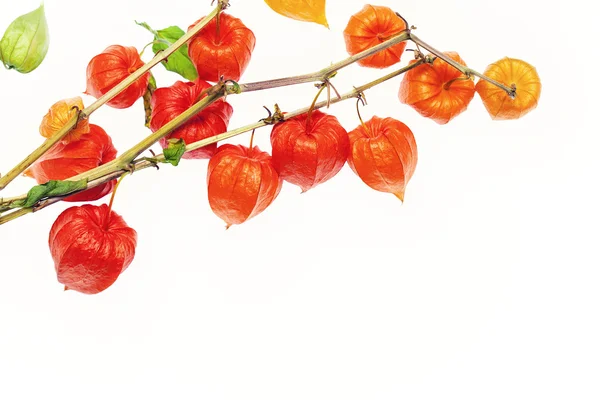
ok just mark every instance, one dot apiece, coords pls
pixel 25 42
pixel 174 151
pixel 50 189
pixel 178 62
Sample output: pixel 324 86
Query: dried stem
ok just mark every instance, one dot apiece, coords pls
pixel 14 215
pixel 326 73
pixel 85 113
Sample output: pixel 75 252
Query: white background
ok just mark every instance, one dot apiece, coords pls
pixel 483 285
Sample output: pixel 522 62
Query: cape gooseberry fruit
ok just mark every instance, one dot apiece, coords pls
pixel 112 66
pixel 91 246
pixel 242 183
pixel 383 153
pixel 309 149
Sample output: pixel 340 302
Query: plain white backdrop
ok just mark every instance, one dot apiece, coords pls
pixel 483 285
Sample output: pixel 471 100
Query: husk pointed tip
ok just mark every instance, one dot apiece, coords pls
pixel 400 196
pixel 323 21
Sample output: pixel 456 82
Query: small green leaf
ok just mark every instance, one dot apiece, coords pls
pixel 25 43
pixel 152 82
pixel 51 189
pixel 178 62
pixel 174 151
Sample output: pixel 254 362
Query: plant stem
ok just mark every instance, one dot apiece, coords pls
pixel 511 91
pixel 14 215
pixel 325 73
pixel 96 179
pixel 85 113
pixel 312 106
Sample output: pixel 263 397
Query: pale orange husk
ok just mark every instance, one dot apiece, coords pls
pixel 509 72
pixel 59 115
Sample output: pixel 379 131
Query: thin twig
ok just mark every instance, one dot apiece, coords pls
pixel 326 73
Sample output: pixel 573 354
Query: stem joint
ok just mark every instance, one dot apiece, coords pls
pixel 274 117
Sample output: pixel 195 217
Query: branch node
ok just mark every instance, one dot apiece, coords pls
pixel 273 118
pixel 130 167
pixel 418 54
pixel 80 116
pixel 165 59
pixel 231 87
pixel 361 97
pixel 223 4
pixel 513 91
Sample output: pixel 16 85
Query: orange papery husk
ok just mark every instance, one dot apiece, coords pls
pixel 308 151
pixel 371 26
pixel 91 246
pixel 242 183
pixel 437 91
pixel 59 114
pixel 112 66
pixel 509 72
pixel 223 52
pixel 383 153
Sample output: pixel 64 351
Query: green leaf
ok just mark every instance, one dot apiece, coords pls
pixel 25 43
pixel 51 189
pixel 152 83
pixel 178 62
pixel 174 151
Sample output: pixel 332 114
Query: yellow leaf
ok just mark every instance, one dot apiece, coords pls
pixel 301 10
